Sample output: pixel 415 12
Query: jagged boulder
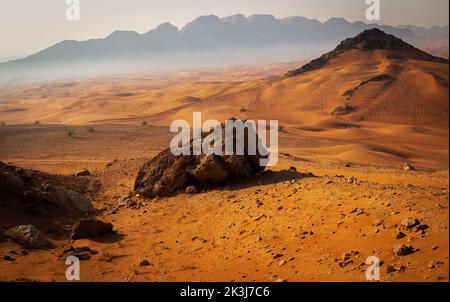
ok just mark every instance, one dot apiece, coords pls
pixel 166 173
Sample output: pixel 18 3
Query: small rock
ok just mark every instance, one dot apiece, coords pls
pixel 400 235
pixel 345 262
pixel 292 169
pixel 132 203
pixel 276 256
pixel 357 211
pixel 408 167
pixel 403 250
pixel 90 228
pixel 83 256
pixel 352 180
pixel 282 262
pixel 409 223
pixel 82 253
pixel 422 227
pixel 8 258
pixel 346 256
pixel 30 237
pixel 259 217
pixel 378 222
pixel 122 201
pixel 85 172
pixel 191 190
pixel 390 269
pixel 144 262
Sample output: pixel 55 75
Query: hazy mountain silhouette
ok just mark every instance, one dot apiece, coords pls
pixel 206 41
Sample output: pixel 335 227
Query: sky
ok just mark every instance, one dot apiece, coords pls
pixel 27 26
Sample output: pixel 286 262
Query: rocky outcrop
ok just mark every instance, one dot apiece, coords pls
pixel 39 193
pixel 166 174
pixel 377 78
pixel 30 237
pixel 343 110
pixel 369 40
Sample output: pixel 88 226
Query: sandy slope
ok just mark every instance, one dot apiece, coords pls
pixel 416 94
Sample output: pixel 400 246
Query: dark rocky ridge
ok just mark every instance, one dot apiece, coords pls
pixel 369 40
pixel 378 78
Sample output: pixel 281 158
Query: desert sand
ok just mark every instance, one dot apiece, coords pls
pixel 286 225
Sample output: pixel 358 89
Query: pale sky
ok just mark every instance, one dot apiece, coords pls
pixel 27 26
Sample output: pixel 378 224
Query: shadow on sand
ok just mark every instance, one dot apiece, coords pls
pixel 267 177
pixel 109 238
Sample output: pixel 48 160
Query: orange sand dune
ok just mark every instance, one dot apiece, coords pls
pixel 401 119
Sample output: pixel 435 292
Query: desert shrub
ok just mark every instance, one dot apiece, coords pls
pixel 243 109
pixel 2 123
pixel 281 128
pixel 90 129
pixel 70 132
pixel 144 123
pixel 36 123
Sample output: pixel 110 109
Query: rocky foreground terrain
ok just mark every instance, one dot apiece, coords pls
pixel 308 219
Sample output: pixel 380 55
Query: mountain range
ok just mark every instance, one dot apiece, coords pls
pixel 206 41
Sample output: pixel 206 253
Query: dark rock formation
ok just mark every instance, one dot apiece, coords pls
pixel 343 110
pixel 30 237
pixel 166 174
pixel 369 40
pixel 90 228
pixel 38 193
